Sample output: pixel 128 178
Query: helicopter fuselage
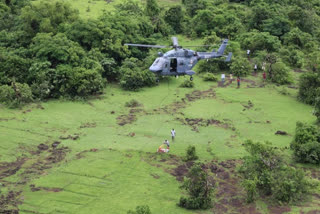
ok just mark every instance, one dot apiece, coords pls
pixel 175 62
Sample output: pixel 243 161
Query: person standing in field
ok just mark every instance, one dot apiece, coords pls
pixel 255 68
pixel 167 143
pixel 264 75
pixel 173 134
pixel 223 76
pixel 238 81
pixel 248 53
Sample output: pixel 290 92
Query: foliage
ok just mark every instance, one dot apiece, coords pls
pixel 132 103
pixel 15 95
pixel 265 171
pixel 140 210
pixel 199 189
pixel 240 67
pixel 290 185
pixel 280 74
pixel 308 87
pixel 187 84
pixel 306 143
pixel 251 188
pixel 191 154
pixel 174 17
pixel 317 109
pixel 210 77
pixel 132 78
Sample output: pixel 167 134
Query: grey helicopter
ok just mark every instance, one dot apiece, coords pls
pixel 180 61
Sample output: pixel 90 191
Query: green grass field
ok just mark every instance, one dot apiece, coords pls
pixel 108 169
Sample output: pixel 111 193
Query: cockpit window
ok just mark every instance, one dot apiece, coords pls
pixel 156 62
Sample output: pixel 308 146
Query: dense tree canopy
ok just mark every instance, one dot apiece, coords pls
pixel 43 41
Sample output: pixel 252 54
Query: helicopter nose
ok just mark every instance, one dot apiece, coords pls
pixel 155 69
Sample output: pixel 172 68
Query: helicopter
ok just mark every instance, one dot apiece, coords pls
pixel 180 61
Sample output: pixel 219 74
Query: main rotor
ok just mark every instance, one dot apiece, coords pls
pixel 175 45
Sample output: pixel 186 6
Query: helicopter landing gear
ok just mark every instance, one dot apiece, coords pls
pixel 191 78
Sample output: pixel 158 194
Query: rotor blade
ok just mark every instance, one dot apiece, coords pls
pixel 175 41
pixel 146 46
pixel 199 45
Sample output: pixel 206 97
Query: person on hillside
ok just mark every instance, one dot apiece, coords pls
pixel 248 53
pixel 167 143
pixel 238 81
pixel 264 76
pixel 255 68
pixel 223 76
pixel 173 134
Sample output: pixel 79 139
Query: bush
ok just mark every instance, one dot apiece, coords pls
pixel 210 77
pixel 308 87
pixel 187 84
pixel 265 170
pixel 198 188
pixel 191 153
pixel 280 74
pixel 132 103
pixel 240 67
pixel 306 143
pixel 290 185
pixel 15 95
pixel 140 210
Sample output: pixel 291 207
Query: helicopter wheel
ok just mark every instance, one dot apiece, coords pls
pixel 191 78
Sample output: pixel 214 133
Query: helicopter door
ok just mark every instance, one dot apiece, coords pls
pixel 173 65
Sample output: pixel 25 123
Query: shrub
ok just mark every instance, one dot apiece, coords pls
pixel 308 87
pixel 280 74
pixel 132 103
pixel 240 67
pixel 290 185
pixel 140 210
pixel 15 95
pixel 133 79
pixel 251 187
pixel 210 77
pixel 191 153
pixel 187 84
pixel 306 143
pixel 199 189
pixel 264 170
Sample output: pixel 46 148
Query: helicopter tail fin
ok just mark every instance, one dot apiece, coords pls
pixel 222 47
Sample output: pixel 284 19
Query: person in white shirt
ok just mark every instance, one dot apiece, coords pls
pixel 173 134
pixel 223 76
pixel 248 54
pixel 167 143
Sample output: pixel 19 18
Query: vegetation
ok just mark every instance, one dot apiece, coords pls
pixel 210 77
pixel 191 154
pixel 140 210
pixel 265 171
pixel 199 189
pixel 187 84
pixel 306 143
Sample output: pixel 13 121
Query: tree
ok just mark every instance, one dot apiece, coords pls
pixel 280 73
pixel 240 67
pixel 15 95
pixel 265 171
pixel 140 210
pixel 192 6
pixel 191 154
pixel 306 143
pixel 174 17
pixel 199 189
pixel 276 26
pixel 308 87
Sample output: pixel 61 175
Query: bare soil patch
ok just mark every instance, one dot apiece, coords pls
pixel 88 125
pixel 12 199
pixel 71 137
pixel 48 189
pixel 126 119
pixel 10 168
pixel 195 122
pixel 279 209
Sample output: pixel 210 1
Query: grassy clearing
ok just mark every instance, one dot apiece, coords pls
pixel 95 8
pixel 115 176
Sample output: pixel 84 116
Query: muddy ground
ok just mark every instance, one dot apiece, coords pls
pixel 229 194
